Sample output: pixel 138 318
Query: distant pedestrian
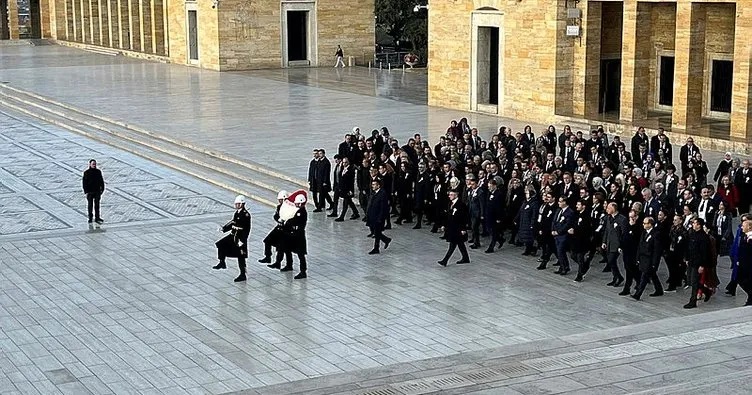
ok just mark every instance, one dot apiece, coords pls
pixel 93 184
pixel 340 54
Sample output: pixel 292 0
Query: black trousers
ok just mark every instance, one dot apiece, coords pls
pixel 93 198
pixel 583 265
pixel 288 255
pixel 346 202
pixel 693 278
pixel 497 234
pixel 335 202
pixel 378 236
pixel 561 252
pixel 631 270
pixel 454 245
pixel 475 223
pixel 548 245
pixel 406 208
pixel 613 262
pixel 676 273
pixel 241 261
pixel 320 197
pixel 651 275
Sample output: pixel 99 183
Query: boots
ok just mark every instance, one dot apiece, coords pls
pixel 220 265
pixel 241 265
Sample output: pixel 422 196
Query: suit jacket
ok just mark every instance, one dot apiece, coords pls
pixel 323 175
pixel 572 194
pixel 495 205
pixel 477 202
pixel 456 222
pixel 649 250
pixel 652 208
pixel 685 154
pixel 346 183
pixel 615 232
pixel 710 209
pixel 564 220
pixel 378 210
pixel 697 251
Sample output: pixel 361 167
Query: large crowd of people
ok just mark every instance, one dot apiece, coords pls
pixel 594 198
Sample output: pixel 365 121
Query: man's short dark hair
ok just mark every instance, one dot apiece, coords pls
pixel 92 161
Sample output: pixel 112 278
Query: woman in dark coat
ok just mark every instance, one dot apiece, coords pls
pixel 721 229
pixel 514 199
pixel 526 224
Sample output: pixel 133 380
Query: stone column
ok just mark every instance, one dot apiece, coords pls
pixel 85 21
pixel 635 61
pixel 146 26
pixel 61 20
pixel 47 17
pixel 741 102
pixel 587 60
pixel 565 66
pixel 157 17
pixel 70 21
pixel 13 19
pixel 689 65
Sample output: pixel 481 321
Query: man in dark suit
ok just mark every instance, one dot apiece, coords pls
pixel 495 207
pixel 377 214
pixel 564 221
pixel 456 228
pixel 337 172
pixel 93 184
pixel 545 239
pixel 697 255
pixel 423 192
pixel 649 255
pixel 640 138
pixel 687 153
pixel 476 198
pixel 346 190
pixel 652 206
pixel 581 237
pixel 614 234
pixel 569 190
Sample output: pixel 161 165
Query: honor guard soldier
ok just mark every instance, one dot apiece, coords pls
pixel 294 217
pixel 276 236
pixel 235 244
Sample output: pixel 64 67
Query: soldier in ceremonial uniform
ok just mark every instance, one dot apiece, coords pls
pixel 235 244
pixel 276 236
pixel 295 217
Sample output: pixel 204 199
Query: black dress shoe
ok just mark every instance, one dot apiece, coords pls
pixel 654 294
pixel 690 305
pixel 579 278
pixel 559 271
pixel 370 235
pixel 557 264
pixel 339 220
pixel 265 260
pixel 474 246
pixel 287 268
pixel 707 297
pixel 606 269
pixel 373 252
pixel 332 215
pixel 462 261
pixel 542 266
pixel 300 275
pixel 356 216
pixel 274 266
pixel 386 243
pixel 220 265
pixel 90 220
pixel 240 278
pixel 565 272
pixel 318 210
pixel 99 220
pixel 417 226
pixel 619 282
pixel 434 230
pixel 442 263
pixel 624 292
pixel 635 297
pixel 489 250
pixel 611 284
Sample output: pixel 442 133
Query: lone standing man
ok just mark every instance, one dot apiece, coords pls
pixel 340 54
pixel 93 183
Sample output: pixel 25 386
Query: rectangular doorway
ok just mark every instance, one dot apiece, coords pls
pixel 297 36
pixel 487 65
pixel 35 30
pixel 192 36
pixel 666 81
pixel 721 86
pixel 610 87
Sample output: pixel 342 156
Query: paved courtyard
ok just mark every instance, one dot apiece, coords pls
pixel 133 306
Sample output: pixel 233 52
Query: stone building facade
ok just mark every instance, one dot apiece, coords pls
pixel 683 65
pixel 219 35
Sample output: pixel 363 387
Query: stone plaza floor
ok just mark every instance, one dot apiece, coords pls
pixel 134 307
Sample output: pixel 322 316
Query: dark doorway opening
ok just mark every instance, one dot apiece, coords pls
pixel 4 29
pixel 721 86
pixel 36 19
pixel 192 35
pixel 297 35
pixel 666 88
pixel 610 89
pixel 488 65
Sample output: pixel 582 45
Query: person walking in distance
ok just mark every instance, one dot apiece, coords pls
pixel 93 184
pixel 456 228
pixel 340 54
pixel 235 244
pixel 697 256
pixel 346 190
pixel 376 215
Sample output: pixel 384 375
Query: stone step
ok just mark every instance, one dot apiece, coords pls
pixel 148 137
pixel 209 169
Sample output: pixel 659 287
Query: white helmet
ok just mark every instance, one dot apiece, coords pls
pixel 282 195
pixel 240 199
pixel 300 199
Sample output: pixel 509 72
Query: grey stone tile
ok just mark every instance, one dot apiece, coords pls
pixel 553 385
